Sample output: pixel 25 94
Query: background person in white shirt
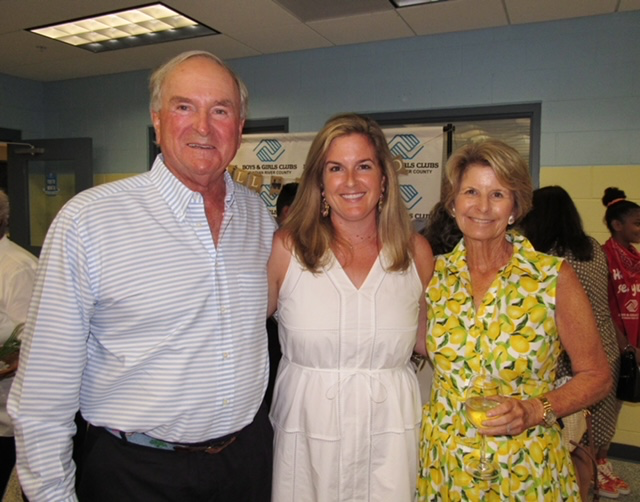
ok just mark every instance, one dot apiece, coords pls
pixel 149 316
pixel 17 273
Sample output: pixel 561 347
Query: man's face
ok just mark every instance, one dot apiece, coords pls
pixel 198 125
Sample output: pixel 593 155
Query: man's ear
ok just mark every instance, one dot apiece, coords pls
pixel 240 131
pixel 155 119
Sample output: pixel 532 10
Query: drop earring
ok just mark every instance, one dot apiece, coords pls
pixel 511 220
pixel 380 202
pixel 324 210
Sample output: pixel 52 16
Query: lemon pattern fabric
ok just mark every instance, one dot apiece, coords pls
pixel 512 335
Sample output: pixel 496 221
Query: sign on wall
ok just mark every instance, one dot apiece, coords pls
pixel 265 162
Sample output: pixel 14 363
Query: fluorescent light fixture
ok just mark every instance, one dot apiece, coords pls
pixel 145 25
pixel 409 3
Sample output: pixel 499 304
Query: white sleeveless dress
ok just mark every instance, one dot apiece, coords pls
pixel 346 409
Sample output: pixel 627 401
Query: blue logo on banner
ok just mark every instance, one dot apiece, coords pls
pixel 269 150
pixel 406 146
pixel 268 199
pixel 410 196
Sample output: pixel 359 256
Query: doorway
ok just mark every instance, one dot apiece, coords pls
pixel 42 175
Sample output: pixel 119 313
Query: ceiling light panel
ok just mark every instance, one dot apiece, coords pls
pixel 316 10
pixel 409 3
pixel 149 24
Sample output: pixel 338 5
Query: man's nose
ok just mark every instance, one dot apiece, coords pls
pixel 202 123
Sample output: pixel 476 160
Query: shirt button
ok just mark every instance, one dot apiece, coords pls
pixel 225 402
pixel 226 355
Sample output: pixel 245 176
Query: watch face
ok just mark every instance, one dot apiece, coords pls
pixel 548 415
pixel 549 418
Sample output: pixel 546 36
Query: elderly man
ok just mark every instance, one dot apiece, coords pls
pixel 148 316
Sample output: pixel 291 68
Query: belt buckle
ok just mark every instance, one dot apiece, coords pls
pixel 210 450
pixel 217 448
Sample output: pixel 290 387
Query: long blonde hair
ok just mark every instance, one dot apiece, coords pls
pixel 311 235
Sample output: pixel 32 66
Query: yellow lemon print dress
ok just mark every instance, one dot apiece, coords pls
pixel 513 336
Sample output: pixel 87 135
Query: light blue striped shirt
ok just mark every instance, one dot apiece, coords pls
pixel 142 322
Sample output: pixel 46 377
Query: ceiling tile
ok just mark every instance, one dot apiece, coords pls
pixel 527 11
pixel 455 15
pixel 626 5
pixel 365 28
pixel 262 25
pixel 234 17
pixel 315 10
pixel 294 38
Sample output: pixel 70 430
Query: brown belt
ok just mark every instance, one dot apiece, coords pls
pixel 210 447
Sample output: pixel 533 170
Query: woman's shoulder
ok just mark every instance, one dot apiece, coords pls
pixel 598 250
pixel 534 263
pixel 283 237
pixel 420 244
pixel 423 257
pixel 281 249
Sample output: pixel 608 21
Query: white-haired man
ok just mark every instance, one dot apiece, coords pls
pixel 149 316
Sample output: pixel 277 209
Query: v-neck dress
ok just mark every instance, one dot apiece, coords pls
pixel 346 410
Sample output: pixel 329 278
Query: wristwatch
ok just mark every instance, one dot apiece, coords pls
pixel 549 417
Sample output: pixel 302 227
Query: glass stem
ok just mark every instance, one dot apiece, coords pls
pixel 483 452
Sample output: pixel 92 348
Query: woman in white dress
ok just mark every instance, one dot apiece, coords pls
pixel 347 275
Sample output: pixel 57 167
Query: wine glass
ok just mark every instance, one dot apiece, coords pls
pixel 477 402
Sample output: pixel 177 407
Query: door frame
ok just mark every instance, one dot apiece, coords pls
pixel 77 150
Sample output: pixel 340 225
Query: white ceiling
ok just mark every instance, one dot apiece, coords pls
pixel 256 27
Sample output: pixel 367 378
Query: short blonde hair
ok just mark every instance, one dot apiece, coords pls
pixel 507 164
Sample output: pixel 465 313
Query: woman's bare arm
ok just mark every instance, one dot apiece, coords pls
pixel 277 269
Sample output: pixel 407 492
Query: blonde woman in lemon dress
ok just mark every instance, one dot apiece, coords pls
pixel 497 306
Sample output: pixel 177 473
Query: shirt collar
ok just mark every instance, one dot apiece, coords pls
pixel 177 195
pixel 523 257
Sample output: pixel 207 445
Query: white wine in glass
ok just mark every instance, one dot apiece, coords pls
pixel 477 408
pixel 477 402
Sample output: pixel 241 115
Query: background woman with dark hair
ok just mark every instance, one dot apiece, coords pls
pixel 554 226
pixel 441 230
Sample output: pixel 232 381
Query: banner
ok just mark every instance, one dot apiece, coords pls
pixel 265 162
